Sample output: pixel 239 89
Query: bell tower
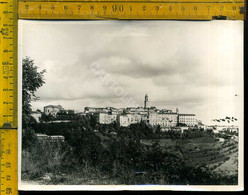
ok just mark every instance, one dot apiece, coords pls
pixel 146 102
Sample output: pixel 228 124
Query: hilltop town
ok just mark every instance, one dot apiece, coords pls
pixel 164 118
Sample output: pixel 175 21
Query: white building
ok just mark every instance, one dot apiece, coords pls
pixel 57 138
pixel 188 119
pixel 53 110
pixel 225 128
pixel 128 119
pixel 42 137
pixel 163 119
pixel 234 129
pixel 92 110
pixel 105 118
pixel 184 129
pixel 52 138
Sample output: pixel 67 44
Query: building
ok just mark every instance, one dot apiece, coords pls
pixel 52 138
pixel 221 139
pixel 188 119
pixel 234 129
pixel 52 110
pixel 42 137
pixel 128 119
pixel 105 118
pixel 56 138
pixel 36 115
pixel 138 110
pixel 163 119
pixel 184 129
pixel 146 102
pixel 116 110
pixel 202 126
pixel 225 128
pixel 92 110
pixel 165 111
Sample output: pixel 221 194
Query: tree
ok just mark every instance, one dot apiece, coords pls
pixel 29 139
pixel 154 157
pixel 32 80
pixel 181 125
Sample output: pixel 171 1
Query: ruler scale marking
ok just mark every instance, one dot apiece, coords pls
pixel 8 97
pixel 119 9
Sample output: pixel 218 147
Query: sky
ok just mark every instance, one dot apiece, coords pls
pixel 196 67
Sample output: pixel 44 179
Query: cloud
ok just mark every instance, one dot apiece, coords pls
pixel 191 65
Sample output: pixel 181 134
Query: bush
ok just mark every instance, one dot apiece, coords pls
pixel 87 157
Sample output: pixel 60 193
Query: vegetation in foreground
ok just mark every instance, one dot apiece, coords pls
pixel 130 155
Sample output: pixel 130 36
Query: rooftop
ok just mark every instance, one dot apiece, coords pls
pixel 187 114
pixel 53 106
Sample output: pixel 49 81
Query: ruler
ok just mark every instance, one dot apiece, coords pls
pixel 8 161
pixel 8 97
pixel 132 9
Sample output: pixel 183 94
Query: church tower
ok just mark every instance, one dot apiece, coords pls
pixel 146 102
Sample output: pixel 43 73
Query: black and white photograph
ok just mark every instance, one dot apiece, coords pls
pixel 130 105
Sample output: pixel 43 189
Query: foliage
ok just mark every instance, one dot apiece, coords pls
pixel 181 125
pixel 56 159
pixel 119 159
pixel 47 118
pixel 32 80
pixel 29 139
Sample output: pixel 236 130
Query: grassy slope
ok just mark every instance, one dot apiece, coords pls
pixel 221 157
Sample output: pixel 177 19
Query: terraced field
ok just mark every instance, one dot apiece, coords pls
pixel 219 156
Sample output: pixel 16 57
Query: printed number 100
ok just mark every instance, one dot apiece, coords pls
pixel 115 7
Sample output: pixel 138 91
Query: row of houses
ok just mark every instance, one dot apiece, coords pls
pixel 153 118
pixel 129 115
pixel 53 110
pixel 151 115
pixel 225 128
